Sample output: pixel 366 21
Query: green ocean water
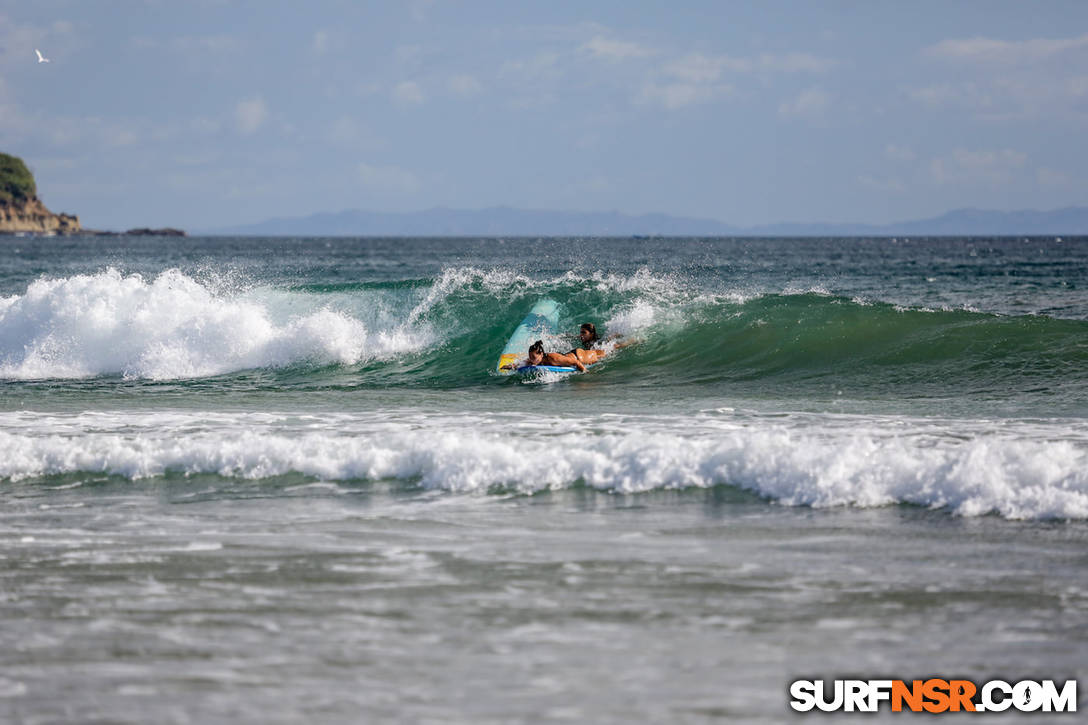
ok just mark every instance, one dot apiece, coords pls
pixel 955 321
pixel 276 480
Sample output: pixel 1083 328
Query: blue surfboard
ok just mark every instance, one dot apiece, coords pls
pixel 542 321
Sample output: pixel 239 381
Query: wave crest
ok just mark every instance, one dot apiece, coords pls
pixel 1018 474
pixel 176 326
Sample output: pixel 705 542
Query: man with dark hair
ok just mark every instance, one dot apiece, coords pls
pixel 587 334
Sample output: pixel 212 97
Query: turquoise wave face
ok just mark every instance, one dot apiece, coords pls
pixel 799 341
pixel 814 338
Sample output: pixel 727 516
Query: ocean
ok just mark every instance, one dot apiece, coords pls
pixel 277 480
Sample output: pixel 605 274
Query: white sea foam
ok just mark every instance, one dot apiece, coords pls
pixel 633 319
pixel 173 326
pixel 1013 470
pixel 504 282
pixel 454 279
pixel 814 289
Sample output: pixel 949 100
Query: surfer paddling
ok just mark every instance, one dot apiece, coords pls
pixel 587 336
pixel 592 348
pixel 537 356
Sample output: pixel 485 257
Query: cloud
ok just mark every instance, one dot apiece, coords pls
pixel 899 153
pixel 250 114
pixel 605 48
pixel 545 64
pixel 421 10
pixel 344 130
pixel 321 42
pixel 889 184
pixel 699 78
pixel 464 85
pixel 597 184
pixel 938 94
pixel 195 46
pixel 697 67
pixel 535 81
pixel 1052 177
pixel 589 57
pixel 87 134
pixel 408 93
pixel 199 158
pixel 201 54
pixel 368 88
pixel 409 53
pixel 686 81
pixel 809 102
pixel 794 63
pixel 1019 95
pixel 678 95
pixel 204 126
pixel 123 137
pixel 1008 52
pixel 1010 79
pixel 348 132
pixel 207 44
pixel 997 167
pixel 388 178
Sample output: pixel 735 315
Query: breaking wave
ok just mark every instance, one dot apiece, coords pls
pixel 173 326
pixel 176 326
pixel 1016 470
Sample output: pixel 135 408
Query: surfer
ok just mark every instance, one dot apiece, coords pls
pixel 587 335
pixel 579 358
pixel 537 356
pixel 591 350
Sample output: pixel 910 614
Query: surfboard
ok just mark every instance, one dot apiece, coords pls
pixel 542 321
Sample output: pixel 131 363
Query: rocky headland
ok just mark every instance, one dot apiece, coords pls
pixel 32 216
pixel 22 212
pixel 20 208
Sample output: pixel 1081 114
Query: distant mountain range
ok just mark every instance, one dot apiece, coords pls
pixel 505 221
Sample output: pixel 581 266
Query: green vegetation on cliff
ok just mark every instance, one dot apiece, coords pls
pixel 16 181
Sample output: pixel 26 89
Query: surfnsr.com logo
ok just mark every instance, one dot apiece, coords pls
pixel 934 695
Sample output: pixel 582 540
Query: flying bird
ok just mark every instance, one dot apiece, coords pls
pixel 41 58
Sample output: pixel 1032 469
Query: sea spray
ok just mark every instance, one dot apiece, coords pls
pixel 172 327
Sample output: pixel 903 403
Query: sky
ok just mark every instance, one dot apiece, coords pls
pixel 215 113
